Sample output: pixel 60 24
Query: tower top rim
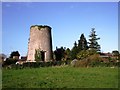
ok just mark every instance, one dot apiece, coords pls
pixel 41 26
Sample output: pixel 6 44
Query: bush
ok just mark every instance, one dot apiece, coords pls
pixel 9 61
pixel 17 66
pixel 41 64
pixel 82 63
pixel 34 64
pixel 95 61
pixel 91 61
pixel 83 54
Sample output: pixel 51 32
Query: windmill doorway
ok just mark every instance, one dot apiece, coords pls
pixel 42 55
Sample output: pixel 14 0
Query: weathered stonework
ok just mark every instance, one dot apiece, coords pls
pixel 40 38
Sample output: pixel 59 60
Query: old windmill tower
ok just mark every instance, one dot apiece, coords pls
pixel 40 43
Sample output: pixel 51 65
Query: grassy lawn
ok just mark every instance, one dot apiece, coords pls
pixel 60 77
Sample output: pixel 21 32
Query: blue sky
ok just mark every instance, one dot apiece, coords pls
pixel 68 22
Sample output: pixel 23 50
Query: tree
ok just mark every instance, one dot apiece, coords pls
pixel 67 54
pixel 9 61
pixel 93 44
pixel 115 53
pixel 82 43
pixel 74 51
pixel 82 54
pixel 85 53
pixel 14 53
pixel 59 53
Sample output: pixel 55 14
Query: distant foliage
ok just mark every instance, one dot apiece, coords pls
pixel 9 61
pixel 80 48
pixel 14 53
pixel 89 61
pixel 81 63
pixel 74 51
pixel 95 60
pixel 12 64
pixel 67 54
pixel 115 53
pixel 59 53
pixel 82 43
pixel 83 54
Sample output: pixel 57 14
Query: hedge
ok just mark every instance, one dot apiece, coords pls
pixel 58 63
pixel 38 64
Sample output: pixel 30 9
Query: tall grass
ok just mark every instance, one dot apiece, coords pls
pixel 61 77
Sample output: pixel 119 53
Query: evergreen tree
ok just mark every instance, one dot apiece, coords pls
pixel 67 54
pixel 82 43
pixel 74 51
pixel 93 44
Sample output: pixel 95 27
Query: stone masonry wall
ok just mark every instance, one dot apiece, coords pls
pixel 40 38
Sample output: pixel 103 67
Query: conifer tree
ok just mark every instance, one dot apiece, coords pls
pixel 67 53
pixel 93 44
pixel 82 43
pixel 74 51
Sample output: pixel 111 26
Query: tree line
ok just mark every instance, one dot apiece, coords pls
pixel 81 49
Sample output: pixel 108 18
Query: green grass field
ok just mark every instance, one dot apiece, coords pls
pixel 60 77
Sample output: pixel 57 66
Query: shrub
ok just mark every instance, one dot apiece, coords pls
pixel 91 61
pixel 9 61
pixel 94 60
pixel 83 63
pixel 82 54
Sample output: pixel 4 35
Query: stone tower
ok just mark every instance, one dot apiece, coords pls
pixel 40 39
